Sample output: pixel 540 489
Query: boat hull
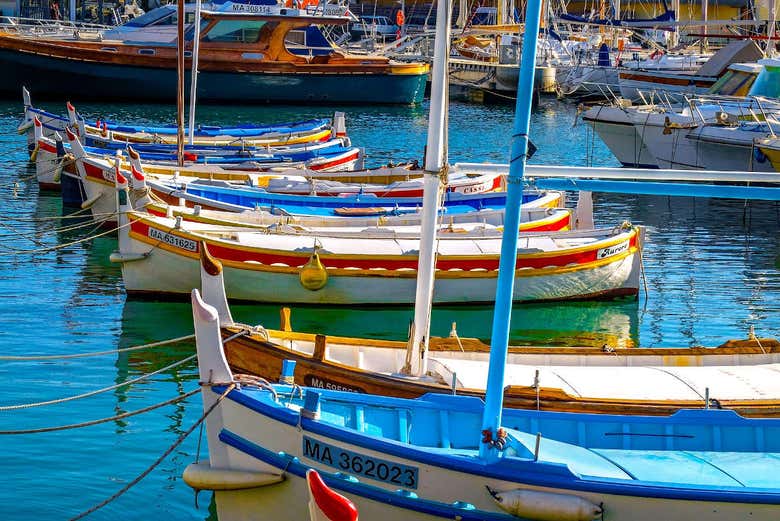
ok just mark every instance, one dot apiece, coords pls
pixel 246 438
pixel 169 264
pixel 58 77
pixel 616 130
pixel 724 148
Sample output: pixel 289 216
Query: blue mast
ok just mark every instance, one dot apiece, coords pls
pixel 491 420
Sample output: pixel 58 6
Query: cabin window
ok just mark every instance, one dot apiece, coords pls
pixel 296 37
pixel 733 83
pixel 235 31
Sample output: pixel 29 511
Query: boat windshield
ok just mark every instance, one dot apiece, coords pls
pixel 236 31
pixel 733 83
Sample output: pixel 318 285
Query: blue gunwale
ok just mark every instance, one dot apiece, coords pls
pixel 511 469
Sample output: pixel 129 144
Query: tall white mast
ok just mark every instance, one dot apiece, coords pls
pixel 435 163
pixel 675 39
pixel 194 75
pixel 770 28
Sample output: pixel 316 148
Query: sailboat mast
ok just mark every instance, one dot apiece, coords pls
pixel 180 85
pixel 770 28
pixel 704 7
pixel 194 74
pixel 435 163
pixel 499 342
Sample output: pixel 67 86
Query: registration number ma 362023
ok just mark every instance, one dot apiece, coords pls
pixel 359 464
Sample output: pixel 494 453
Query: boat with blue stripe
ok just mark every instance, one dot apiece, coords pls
pixel 358 205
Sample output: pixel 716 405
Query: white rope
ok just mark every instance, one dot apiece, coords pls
pixel 65 245
pixel 97 391
pixel 99 353
pixel 121 416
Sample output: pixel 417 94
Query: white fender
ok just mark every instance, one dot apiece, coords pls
pixel 202 476
pixel 546 506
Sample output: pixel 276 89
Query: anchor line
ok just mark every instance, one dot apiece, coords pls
pixel 122 416
pixel 97 391
pixel 98 353
pixel 159 460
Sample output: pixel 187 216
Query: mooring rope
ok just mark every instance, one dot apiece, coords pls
pixel 13 251
pixel 98 218
pixel 102 420
pixel 98 353
pixel 159 460
pixel 97 391
pixel 78 214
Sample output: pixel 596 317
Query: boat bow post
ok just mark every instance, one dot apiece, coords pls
pixel 492 438
pixel 435 169
pixel 216 473
pixel 213 284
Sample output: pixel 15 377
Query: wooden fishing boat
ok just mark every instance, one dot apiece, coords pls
pixel 52 159
pixel 420 459
pixel 653 381
pixel 102 133
pixel 99 176
pixel 243 56
pixel 161 256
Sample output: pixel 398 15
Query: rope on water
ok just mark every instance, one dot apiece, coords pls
pixel 102 420
pixel 159 460
pixel 99 353
pixel 97 391
pixel 13 251
pixel 78 214
pixel 97 218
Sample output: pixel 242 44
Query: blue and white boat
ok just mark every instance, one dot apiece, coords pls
pixel 362 204
pixel 104 131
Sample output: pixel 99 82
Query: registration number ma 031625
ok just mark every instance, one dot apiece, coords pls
pixel 360 465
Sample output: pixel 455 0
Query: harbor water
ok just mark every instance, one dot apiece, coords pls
pixel 712 270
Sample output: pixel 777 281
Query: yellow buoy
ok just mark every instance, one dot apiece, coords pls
pixel 34 153
pixel 313 275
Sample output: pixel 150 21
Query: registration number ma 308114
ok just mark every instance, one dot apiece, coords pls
pixel 359 464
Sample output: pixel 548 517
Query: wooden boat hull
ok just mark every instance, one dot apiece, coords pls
pixel 169 264
pixel 54 77
pixel 417 459
pixel 268 443
pixel 255 355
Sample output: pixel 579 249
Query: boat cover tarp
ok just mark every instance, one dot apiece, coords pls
pixel 736 52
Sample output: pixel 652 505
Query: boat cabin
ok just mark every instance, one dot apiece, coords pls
pixel 737 80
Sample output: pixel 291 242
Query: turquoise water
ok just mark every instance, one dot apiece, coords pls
pixel 713 269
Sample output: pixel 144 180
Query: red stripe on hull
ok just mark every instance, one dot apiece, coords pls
pixel 488 263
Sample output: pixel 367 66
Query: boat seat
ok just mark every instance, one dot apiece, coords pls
pixel 724 469
pixel 580 460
